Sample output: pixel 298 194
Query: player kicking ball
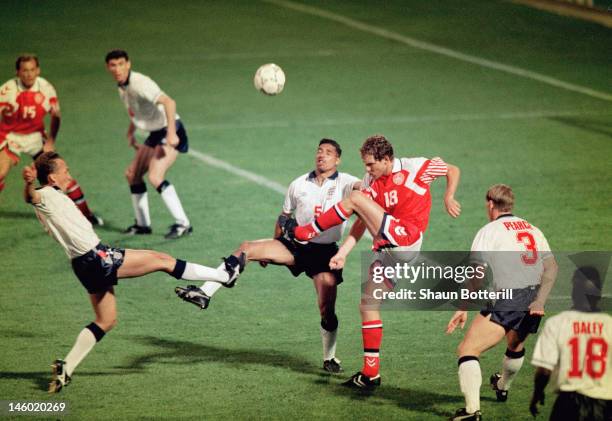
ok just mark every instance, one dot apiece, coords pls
pixel 97 266
pixel 520 259
pixel 395 209
pixel 307 196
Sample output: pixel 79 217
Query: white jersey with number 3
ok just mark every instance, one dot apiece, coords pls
pixel 514 249
pixel 577 347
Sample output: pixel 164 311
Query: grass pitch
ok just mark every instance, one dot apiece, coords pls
pixel 255 353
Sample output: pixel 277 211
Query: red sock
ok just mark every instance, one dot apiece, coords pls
pixel 75 193
pixel 331 217
pixel 372 332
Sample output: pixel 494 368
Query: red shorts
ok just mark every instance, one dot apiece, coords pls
pixel 395 233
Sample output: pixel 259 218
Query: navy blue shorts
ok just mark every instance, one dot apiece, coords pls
pixel 513 314
pixel 574 406
pixel 312 258
pixel 97 269
pixel 158 137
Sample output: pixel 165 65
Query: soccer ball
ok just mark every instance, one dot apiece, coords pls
pixel 269 79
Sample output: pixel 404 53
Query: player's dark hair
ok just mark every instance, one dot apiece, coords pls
pixel 46 164
pixel 378 146
pixel 332 142
pixel 502 197
pixel 116 54
pixel 25 57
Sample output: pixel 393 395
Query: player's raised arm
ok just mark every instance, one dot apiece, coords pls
pixel 170 107
pixel 452 181
pixel 29 193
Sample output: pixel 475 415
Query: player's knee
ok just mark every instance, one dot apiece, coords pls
pixel 464 348
pixel 107 324
pixel 245 247
pixel 155 179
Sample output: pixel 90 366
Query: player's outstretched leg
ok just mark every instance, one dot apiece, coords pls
pixel 369 212
pixel 228 273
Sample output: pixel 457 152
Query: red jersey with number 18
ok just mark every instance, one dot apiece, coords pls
pixel 404 194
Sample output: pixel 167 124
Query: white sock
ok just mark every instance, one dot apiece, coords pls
pixel 195 272
pixel 140 203
pixel 173 203
pixel 210 288
pixel 84 343
pixel 470 379
pixel 510 369
pixel 329 343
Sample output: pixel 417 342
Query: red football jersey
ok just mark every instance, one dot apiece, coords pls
pixel 23 110
pixel 404 194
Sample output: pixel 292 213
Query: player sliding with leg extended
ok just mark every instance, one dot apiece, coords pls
pixel 520 259
pixel 308 196
pixel 24 102
pixel 395 210
pixel 97 266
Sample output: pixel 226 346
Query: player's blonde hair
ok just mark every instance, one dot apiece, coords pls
pixel 502 197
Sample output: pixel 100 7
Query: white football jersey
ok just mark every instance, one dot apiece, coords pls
pixel 514 250
pixel 65 222
pixel 307 200
pixel 577 347
pixel 139 97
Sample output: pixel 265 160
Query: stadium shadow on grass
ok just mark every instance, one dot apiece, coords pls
pixel 424 401
pixel 200 353
pixel 17 215
pixel 40 379
pixel 590 125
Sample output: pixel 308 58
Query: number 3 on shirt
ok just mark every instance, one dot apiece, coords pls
pixel 530 245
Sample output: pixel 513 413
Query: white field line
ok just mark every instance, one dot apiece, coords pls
pixel 415 43
pixel 251 176
pixel 407 119
pixel 232 169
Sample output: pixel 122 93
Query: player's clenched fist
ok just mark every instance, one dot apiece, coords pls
pixel 29 174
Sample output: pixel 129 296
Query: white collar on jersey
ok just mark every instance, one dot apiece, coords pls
pixel 397 165
pixel 22 87
pixel 313 175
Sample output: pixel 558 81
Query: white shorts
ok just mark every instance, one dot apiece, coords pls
pixel 30 144
pixel 401 255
